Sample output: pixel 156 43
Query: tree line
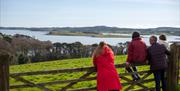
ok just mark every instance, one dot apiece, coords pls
pixel 28 50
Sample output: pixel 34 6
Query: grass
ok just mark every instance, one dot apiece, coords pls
pixel 62 64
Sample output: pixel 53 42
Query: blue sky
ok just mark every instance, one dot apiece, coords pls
pixel 80 13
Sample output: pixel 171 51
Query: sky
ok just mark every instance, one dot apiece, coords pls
pixel 81 13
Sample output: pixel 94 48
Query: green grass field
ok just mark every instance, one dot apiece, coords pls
pixel 61 64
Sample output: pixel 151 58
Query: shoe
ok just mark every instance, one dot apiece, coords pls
pixel 137 77
pixel 134 77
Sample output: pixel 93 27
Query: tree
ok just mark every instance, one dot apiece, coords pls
pixel 22 59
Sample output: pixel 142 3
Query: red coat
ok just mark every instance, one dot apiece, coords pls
pixel 107 76
pixel 137 51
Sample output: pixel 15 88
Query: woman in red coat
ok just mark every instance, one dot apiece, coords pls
pixel 107 76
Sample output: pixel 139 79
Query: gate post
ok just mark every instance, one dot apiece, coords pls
pixel 6 52
pixel 4 72
pixel 173 67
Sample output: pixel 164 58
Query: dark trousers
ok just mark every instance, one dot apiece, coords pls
pixel 135 76
pixel 159 76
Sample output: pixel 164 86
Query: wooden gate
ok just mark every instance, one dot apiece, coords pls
pixel 85 77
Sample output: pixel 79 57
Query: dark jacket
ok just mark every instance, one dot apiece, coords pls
pixel 157 56
pixel 137 51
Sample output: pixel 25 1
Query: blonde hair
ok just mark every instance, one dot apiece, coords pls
pixel 99 49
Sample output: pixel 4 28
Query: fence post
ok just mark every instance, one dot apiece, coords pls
pixel 173 68
pixel 4 72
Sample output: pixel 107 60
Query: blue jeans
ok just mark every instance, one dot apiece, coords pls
pixel 159 77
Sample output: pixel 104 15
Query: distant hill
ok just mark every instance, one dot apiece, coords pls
pixel 105 29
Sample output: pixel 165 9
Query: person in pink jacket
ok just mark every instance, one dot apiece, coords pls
pixel 107 76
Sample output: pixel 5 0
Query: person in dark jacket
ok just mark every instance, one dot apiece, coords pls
pixel 157 60
pixel 137 53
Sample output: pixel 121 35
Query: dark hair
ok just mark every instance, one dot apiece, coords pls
pixel 162 37
pixel 154 38
pixel 101 44
pixel 135 35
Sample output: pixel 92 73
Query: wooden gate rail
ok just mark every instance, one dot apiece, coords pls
pixel 30 83
pixel 67 70
pixel 59 82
